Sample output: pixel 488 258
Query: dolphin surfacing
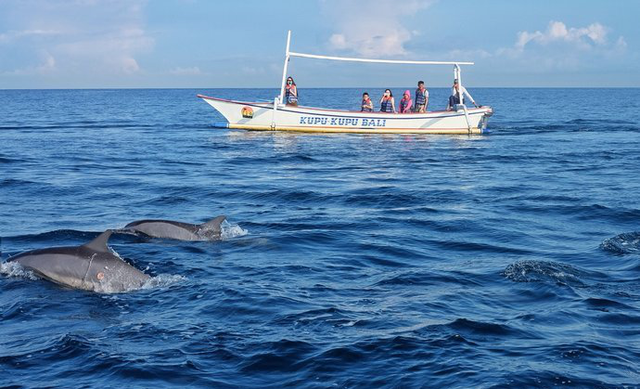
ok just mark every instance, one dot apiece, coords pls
pixel 168 229
pixel 92 266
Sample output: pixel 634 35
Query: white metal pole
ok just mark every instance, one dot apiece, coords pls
pixel 284 70
pixel 314 56
pixel 460 84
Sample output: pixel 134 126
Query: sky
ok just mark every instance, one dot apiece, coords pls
pixel 241 44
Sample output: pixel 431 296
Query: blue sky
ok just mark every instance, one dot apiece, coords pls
pixel 225 43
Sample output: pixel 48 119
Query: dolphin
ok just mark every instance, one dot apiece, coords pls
pixel 168 229
pixel 92 266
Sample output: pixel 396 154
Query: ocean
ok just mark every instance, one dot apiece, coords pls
pixel 509 259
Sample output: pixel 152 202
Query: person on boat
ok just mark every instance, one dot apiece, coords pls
pixel 422 98
pixel 367 104
pixel 458 91
pixel 291 93
pixel 387 103
pixel 405 103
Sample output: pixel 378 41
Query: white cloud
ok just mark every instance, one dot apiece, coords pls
pixel 80 37
pixel 47 66
pixel 191 71
pixel 621 43
pixel 376 30
pixel 253 70
pixel 563 48
pixel 12 36
pixel 584 37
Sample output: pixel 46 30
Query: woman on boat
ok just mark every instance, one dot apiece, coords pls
pixel 291 93
pixel 405 103
pixel 387 103
pixel 367 104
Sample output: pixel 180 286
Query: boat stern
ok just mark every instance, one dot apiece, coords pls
pixel 488 112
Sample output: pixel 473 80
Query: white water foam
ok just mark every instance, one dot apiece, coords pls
pixel 160 281
pixel 14 269
pixel 230 231
pixel 163 281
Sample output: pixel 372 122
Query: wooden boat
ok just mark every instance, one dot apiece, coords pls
pixel 276 116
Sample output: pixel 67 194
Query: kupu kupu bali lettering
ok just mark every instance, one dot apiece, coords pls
pixel 342 122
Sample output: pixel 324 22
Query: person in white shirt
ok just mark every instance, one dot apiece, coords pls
pixel 458 91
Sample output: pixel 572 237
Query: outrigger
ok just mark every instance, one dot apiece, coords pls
pixel 276 116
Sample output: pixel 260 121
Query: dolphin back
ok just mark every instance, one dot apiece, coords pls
pixel 165 229
pixel 212 229
pixel 169 229
pixel 92 266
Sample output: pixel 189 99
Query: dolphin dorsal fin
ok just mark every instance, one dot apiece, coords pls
pixel 213 224
pixel 100 243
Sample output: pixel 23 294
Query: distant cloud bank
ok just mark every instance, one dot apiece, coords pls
pixel 374 29
pixel 583 37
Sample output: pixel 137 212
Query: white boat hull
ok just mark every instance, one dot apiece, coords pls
pixel 262 117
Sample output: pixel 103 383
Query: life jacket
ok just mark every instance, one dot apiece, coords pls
pixel 385 106
pixel 289 97
pixel 405 105
pixel 421 97
pixel 366 109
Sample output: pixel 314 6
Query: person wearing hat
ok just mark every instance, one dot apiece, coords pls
pixel 458 91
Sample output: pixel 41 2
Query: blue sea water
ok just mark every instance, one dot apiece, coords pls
pixel 510 259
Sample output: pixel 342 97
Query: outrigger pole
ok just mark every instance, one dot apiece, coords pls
pixel 289 54
pixel 284 70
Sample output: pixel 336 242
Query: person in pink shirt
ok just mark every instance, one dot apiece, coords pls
pixel 405 103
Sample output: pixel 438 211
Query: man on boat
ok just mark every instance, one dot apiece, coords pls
pixel 291 93
pixel 422 98
pixel 458 92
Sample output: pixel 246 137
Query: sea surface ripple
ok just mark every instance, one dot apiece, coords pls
pixel 510 259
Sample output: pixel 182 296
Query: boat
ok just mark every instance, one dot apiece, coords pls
pixel 277 116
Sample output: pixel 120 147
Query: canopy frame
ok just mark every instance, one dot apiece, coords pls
pixel 288 54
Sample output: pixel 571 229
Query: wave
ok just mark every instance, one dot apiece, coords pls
pixel 544 271
pixel 568 126
pixel 626 243
pixel 97 361
pixel 584 212
pixel 10 160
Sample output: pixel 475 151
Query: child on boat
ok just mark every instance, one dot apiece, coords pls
pixel 367 104
pixel 291 93
pixel 422 98
pixel 387 103
pixel 405 103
